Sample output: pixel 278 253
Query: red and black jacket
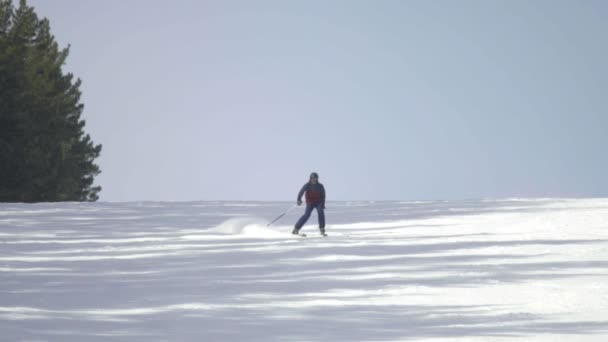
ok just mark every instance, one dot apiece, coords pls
pixel 315 194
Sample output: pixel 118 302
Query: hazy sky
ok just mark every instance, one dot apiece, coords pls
pixel 222 100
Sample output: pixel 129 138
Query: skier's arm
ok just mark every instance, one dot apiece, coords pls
pixel 301 193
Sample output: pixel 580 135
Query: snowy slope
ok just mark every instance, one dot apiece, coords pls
pixel 509 270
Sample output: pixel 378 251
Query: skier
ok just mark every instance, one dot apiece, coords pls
pixel 315 199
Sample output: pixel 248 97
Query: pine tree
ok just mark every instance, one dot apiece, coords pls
pixel 44 153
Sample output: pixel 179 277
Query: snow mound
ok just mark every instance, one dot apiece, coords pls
pixel 247 226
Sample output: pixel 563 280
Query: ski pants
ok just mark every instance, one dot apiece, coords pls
pixel 306 216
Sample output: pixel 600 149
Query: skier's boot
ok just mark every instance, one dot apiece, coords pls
pixel 322 231
pixel 297 232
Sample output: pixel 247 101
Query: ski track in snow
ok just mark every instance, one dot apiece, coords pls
pixel 477 270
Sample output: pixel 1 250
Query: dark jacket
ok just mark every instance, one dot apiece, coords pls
pixel 315 194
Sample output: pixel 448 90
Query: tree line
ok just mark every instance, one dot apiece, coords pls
pixel 45 155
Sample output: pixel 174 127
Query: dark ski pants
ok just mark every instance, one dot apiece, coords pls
pixel 320 214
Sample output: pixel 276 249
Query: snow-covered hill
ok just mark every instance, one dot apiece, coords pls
pixel 485 270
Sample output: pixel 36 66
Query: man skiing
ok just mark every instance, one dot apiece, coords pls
pixel 315 199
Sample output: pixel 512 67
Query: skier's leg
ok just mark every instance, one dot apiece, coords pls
pixel 321 216
pixel 303 219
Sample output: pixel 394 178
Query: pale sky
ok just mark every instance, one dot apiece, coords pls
pixel 241 100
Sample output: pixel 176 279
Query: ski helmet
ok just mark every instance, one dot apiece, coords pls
pixel 314 175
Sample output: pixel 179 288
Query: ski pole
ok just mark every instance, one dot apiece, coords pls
pixel 283 214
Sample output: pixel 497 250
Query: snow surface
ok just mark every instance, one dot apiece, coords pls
pixel 484 270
